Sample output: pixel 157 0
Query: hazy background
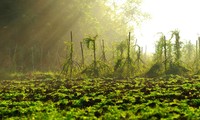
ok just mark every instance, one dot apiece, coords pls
pixel 33 32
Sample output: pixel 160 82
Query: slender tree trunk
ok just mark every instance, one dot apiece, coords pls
pixel 138 57
pixel 165 53
pixel 128 57
pixel 103 51
pixel 177 48
pixel 129 40
pixel 82 54
pixel 95 61
pixel 71 56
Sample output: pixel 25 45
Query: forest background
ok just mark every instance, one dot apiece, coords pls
pixel 35 35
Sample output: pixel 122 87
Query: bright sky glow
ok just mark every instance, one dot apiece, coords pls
pixel 168 15
pixel 119 2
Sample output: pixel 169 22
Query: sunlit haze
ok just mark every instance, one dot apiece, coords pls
pixel 168 15
pixel 37 34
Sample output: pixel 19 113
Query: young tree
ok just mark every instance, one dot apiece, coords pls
pixel 159 50
pixel 161 54
pixel 97 68
pixel 177 46
pixel 124 66
pixel 92 41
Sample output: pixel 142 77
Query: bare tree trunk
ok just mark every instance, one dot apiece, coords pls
pixel 165 53
pixel 71 56
pixel 138 57
pixel 128 57
pixel 129 40
pixel 103 51
pixel 82 54
pixel 95 61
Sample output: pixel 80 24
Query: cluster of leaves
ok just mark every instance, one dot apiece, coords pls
pixel 172 97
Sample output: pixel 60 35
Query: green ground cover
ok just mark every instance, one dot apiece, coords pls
pixel 171 97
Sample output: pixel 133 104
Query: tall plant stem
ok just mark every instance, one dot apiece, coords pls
pixel 95 61
pixel 103 51
pixel 138 56
pixel 82 53
pixel 165 53
pixel 71 56
pixel 128 57
pixel 129 40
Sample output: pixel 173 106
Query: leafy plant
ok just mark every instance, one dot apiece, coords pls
pixel 70 65
pixel 124 67
pixel 91 43
pixel 177 46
